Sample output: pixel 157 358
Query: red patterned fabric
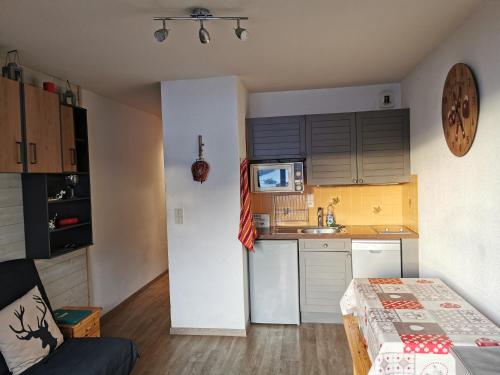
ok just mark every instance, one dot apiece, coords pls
pixel 386 280
pixel 402 305
pixel 411 324
pixel 449 305
pixel 484 341
pixel 426 344
pixel 247 233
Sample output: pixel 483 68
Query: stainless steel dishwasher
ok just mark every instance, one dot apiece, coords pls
pixel 376 258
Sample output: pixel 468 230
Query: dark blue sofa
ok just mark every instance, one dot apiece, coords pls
pixel 84 356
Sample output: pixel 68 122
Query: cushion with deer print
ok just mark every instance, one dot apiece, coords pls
pixel 28 332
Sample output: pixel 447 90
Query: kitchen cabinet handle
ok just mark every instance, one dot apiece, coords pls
pixel 33 153
pixel 375 251
pixel 73 156
pixel 325 245
pixel 360 180
pixel 19 153
pixel 355 180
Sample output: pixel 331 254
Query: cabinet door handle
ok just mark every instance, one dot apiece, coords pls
pixel 19 153
pixel 73 156
pixel 355 180
pixel 33 153
pixel 325 245
pixel 375 251
pixel 360 180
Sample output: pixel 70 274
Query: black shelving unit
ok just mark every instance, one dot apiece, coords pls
pixel 41 242
pixel 39 189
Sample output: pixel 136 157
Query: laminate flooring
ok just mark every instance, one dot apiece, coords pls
pixel 269 349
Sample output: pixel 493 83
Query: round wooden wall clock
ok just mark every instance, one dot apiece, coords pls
pixel 460 109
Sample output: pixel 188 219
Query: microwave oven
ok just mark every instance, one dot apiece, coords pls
pixel 277 177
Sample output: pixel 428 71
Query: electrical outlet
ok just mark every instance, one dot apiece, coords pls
pixel 310 200
pixel 179 215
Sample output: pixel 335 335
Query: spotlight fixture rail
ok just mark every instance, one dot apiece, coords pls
pixel 198 14
pixel 201 15
pixel 201 18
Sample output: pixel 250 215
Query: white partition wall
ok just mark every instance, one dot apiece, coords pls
pixel 206 261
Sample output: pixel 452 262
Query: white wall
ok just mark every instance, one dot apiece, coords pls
pixel 12 244
pixel 206 260
pixel 128 209
pixel 459 198
pixel 335 100
pixel 242 102
pixel 126 152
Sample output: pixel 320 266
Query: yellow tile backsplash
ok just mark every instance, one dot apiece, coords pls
pixel 410 204
pixel 358 204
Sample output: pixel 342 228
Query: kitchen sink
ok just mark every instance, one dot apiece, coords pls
pixel 319 230
pixel 391 229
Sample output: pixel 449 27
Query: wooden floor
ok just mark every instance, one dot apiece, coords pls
pixel 269 349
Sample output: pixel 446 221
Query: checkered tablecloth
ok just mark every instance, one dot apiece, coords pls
pixel 410 324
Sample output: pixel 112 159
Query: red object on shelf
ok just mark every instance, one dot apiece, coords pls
pixel 68 221
pixel 49 86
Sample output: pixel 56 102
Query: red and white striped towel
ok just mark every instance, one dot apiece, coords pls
pixel 247 233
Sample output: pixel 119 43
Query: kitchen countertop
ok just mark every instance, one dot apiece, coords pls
pixel 351 231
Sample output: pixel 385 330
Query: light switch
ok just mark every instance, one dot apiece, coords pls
pixel 179 215
pixel 310 200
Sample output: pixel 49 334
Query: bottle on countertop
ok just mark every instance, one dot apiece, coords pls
pixel 330 217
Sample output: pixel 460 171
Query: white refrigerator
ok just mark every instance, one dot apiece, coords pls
pixel 274 282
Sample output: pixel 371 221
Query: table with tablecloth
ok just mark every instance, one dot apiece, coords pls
pixel 410 325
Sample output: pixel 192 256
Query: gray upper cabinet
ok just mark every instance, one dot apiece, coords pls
pixel 358 148
pixel 273 138
pixel 383 146
pixel 331 149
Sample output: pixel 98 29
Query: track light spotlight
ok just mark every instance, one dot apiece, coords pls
pixel 203 34
pixel 240 32
pixel 161 34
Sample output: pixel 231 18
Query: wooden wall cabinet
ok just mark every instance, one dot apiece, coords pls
pixel 68 145
pixel 11 145
pixel 39 190
pixel 43 131
pixel 274 138
pixel 358 148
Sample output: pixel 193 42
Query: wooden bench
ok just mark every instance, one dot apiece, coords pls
pixel 361 363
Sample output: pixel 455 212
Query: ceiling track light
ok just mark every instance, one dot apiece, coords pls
pixel 203 34
pixel 161 34
pixel 201 15
pixel 240 32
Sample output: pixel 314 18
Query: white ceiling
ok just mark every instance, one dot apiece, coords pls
pixel 107 46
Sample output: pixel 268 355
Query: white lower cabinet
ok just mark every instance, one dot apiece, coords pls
pixel 325 273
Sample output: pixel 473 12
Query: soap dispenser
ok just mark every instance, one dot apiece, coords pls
pixel 330 217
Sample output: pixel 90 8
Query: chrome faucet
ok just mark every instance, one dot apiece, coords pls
pixel 320 217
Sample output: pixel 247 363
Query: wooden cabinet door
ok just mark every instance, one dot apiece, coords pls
pixel 68 139
pixel 331 149
pixel 43 131
pixel 10 127
pixel 324 277
pixel 383 146
pixel 273 138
